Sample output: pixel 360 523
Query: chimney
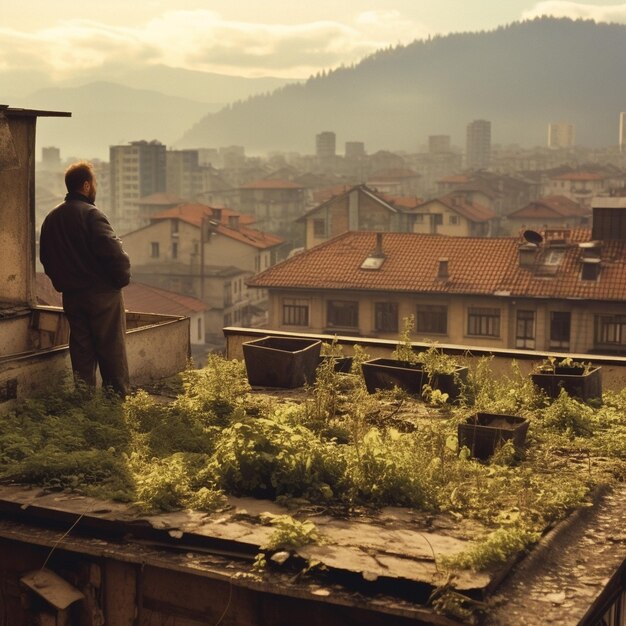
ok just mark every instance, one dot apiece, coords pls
pixel 378 250
pixel 527 254
pixel 442 271
pixel 217 214
pixel 233 222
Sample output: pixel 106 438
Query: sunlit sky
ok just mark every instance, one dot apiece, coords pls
pixel 284 38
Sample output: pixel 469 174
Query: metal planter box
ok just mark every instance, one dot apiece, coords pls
pixel 281 361
pixel 483 433
pixel 578 383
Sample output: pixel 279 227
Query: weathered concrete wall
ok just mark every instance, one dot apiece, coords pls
pixel 613 368
pixel 17 212
pixel 157 349
pixel 14 333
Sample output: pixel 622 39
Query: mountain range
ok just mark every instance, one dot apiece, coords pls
pixel 521 77
pixel 118 104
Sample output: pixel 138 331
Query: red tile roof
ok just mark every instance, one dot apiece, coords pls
pixel 551 207
pixel 480 266
pixel 402 202
pixel 268 183
pixel 471 211
pixel 138 297
pixel 580 176
pixel 193 213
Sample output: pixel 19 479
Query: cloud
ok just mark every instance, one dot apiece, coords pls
pixel 203 40
pixel 575 10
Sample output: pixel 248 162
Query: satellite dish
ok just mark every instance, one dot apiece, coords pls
pixel 532 236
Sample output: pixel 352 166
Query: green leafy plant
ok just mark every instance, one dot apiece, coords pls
pixel 404 350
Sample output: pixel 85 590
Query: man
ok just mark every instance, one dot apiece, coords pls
pixel 86 262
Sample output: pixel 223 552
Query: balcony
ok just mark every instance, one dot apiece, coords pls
pixel 34 346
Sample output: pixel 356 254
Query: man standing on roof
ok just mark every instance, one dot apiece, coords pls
pixel 86 262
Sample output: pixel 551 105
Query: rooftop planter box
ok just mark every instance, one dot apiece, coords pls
pixel 281 361
pixel 579 381
pixel 484 433
pixel 341 364
pixel 389 373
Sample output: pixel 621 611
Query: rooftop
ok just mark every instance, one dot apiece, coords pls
pixel 377 509
pixel 485 266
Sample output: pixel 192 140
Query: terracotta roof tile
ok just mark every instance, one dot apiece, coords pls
pixel 138 297
pixel 551 207
pixel 480 266
pixel 193 213
pixel 472 211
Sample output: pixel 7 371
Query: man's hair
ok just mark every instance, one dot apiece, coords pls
pixel 77 174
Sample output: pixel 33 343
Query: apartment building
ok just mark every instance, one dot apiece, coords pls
pixel 137 170
pixel 564 292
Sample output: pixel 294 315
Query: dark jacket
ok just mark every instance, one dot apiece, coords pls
pixel 79 250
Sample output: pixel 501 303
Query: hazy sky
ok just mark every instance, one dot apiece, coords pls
pixel 286 38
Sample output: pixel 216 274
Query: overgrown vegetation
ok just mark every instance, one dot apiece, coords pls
pixel 339 446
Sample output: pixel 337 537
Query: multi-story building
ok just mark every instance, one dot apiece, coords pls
pixel 276 205
pixel 478 145
pixel 357 208
pixel 137 170
pixel 563 292
pixel 354 150
pixel 583 185
pixel 456 214
pixel 205 252
pixel 548 213
pixel 325 145
pixel 560 135
pixel 438 144
pixel 183 174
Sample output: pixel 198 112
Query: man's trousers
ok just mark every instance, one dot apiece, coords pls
pixel 97 322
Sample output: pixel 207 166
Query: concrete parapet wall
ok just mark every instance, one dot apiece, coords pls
pixel 613 367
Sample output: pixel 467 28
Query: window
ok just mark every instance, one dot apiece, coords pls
pixel 418 218
pixel 174 227
pixel 437 219
pixel 342 313
pixel 431 319
pixel 610 330
pixel 454 219
pixel 386 317
pixel 154 249
pixel 174 250
pixel 525 330
pixel 560 322
pixel 319 228
pixel 483 322
pixel 295 312
pixel 200 329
